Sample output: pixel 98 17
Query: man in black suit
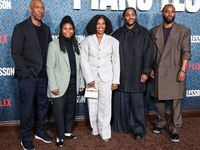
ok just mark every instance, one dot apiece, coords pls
pixel 29 46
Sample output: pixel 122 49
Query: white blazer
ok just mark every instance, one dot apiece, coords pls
pixel 102 59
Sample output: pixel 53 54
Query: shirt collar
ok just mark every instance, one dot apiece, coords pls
pixel 134 29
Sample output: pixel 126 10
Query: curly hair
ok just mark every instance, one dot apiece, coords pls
pixel 124 12
pixel 91 27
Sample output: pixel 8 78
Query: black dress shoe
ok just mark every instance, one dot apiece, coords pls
pixel 59 144
pixel 137 137
pixel 71 137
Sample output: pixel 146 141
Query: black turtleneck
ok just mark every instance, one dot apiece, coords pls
pixel 72 61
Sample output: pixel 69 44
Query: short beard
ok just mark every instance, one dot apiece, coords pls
pixel 168 21
pixel 130 24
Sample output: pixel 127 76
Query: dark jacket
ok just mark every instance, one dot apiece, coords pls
pixel 168 61
pixel 136 57
pixel 25 48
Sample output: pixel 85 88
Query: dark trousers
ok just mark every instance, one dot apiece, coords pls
pixel 128 110
pixel 64 112
pixel 137 121
pixel 31 89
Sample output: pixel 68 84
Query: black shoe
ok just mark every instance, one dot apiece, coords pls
pixel 45 137
pixel 71 137
pixel 27 145
pixel 59 144
pixel 157 130
pixel 138 137
pixel 175 137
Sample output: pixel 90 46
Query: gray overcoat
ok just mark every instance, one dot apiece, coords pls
pixel 168 61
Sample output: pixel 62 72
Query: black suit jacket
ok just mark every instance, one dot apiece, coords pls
pixel 25 48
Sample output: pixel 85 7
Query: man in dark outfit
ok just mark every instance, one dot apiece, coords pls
pixel 136 60
pixel 172 52
pixel 29 46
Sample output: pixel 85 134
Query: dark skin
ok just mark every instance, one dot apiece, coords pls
pixel 100 29
pixel 130 20
pixel 169 13
pixel 36 10
pixel 67 31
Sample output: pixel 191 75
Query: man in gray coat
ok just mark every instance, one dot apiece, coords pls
pixel 172 52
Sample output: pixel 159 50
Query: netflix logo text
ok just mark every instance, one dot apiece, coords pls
pixel 3 38
pixel 193 66
pixel 6 102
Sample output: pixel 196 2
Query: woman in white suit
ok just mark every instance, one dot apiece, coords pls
pixel 64 79
pixel 101 69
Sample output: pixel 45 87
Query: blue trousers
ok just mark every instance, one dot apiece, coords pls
pixel 32 89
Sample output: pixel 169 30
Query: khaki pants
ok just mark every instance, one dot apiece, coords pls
pixel 176 117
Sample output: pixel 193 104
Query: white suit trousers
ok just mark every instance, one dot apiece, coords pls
pixel 100 109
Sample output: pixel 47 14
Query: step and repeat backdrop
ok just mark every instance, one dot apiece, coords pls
pixel 148 15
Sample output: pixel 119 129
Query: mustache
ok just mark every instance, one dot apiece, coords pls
pixel 131 19
pixel 167 20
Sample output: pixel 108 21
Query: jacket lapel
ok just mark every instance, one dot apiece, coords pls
pixel 103 38
pixel 171 38
pixel 160 39
pixel 66 58
pixel 34 34
pixel 96 40
pixel 94 37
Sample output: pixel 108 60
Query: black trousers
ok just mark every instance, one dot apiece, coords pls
pixel 64 109
pixel 128 111
pixel 32 89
